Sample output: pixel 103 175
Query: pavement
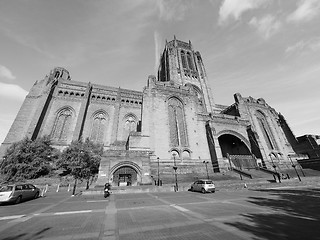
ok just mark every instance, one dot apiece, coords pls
pixel 223 185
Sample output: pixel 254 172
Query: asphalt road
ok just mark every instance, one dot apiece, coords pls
pixel 282 213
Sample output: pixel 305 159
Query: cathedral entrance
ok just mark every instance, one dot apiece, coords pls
pixel 125 176
pixel 232 145
pixel 237 152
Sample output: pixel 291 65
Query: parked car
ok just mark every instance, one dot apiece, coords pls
pixel 203 185
pixel 15 193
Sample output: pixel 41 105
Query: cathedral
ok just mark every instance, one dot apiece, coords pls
pixel 173 126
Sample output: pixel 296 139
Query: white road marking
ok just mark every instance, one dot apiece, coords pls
pixel 179 208
pixel 73 212
pixel 97 201
pixel 12 217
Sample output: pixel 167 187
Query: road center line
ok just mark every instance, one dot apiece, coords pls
pixel 93 201
pixel 179 208
pixel 72 212
pixel 11 217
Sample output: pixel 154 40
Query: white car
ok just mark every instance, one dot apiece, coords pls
pixel 16 193
pixel 203 185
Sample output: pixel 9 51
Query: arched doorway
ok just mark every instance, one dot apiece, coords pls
pixel 232 145
pixel 125 176
pixel 237 152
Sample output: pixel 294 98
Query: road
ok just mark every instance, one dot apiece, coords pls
pixel 283 213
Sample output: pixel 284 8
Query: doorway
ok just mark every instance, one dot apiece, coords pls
pixel 125 176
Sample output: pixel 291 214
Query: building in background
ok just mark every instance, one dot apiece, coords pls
pixel 173 121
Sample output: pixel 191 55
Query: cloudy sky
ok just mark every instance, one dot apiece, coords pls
pixel 259 48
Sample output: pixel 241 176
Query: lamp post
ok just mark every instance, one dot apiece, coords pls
pixel 76 174
pixel 294 166
pixel 175 171
pixel 301 169
pixel 158 171
pixel 75 180
pixel 206 162
pixel 2 162
pixel 274 166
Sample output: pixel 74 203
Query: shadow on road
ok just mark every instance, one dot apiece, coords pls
pixel 33 236
pixel 295 214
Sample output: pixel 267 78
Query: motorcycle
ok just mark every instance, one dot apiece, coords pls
pixel 106 193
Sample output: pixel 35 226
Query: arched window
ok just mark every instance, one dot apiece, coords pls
pixel 190 62
pixel 186 154
pixel 266 131
pixel 62 125
pixel 57 75
pixel 183 59
pixel 199 97
pixel 178 134
pixel 98 127
pixel 175 154
pixel 200 65
pixel 130 125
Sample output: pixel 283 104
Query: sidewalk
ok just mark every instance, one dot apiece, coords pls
pixel 224 185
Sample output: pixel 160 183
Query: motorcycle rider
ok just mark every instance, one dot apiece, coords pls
pixel 106 190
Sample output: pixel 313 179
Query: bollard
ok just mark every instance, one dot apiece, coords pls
pixel 42 192
pixel 58 187
pixel 69 187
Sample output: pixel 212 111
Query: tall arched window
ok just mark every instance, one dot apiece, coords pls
pixel 178 133
pixel 266 131
pixel 130 125
pixel 200 65
pixel 190 62
pixel 183 59
pixel 62 125
pixel 98 127
pixel 200 97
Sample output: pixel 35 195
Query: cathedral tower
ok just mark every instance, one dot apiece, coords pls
pixel 182 66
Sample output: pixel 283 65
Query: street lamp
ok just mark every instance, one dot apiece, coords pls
pixel 75 181
pixel 274 166
pixel 175 171
pixel 294 166
pixel 75 175
pixel 158 171
pixel 3 161
pixel 206 162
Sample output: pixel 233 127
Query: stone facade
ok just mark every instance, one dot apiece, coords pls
pixel 173 121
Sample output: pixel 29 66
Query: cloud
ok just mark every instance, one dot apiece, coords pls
pixel 6 73
pixel 266 26
pixel 303 46
pixel 306 11
pixel 235 8
pixel 12 91
pixel 172 9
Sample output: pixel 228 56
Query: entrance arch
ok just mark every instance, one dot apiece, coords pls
pixel 233 145
pixel 125 174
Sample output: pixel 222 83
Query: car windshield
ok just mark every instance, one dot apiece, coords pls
pixel 209 182
pixel 6 189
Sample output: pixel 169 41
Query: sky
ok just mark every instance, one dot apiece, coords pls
pixel 261 48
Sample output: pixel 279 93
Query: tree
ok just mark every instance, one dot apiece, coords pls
pixel 28 159
pixel 81 160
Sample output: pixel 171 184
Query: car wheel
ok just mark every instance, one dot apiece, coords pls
pixel 191 189
pixel 18 200
pixel 213 191
pixel 36 195
pixel 203 190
